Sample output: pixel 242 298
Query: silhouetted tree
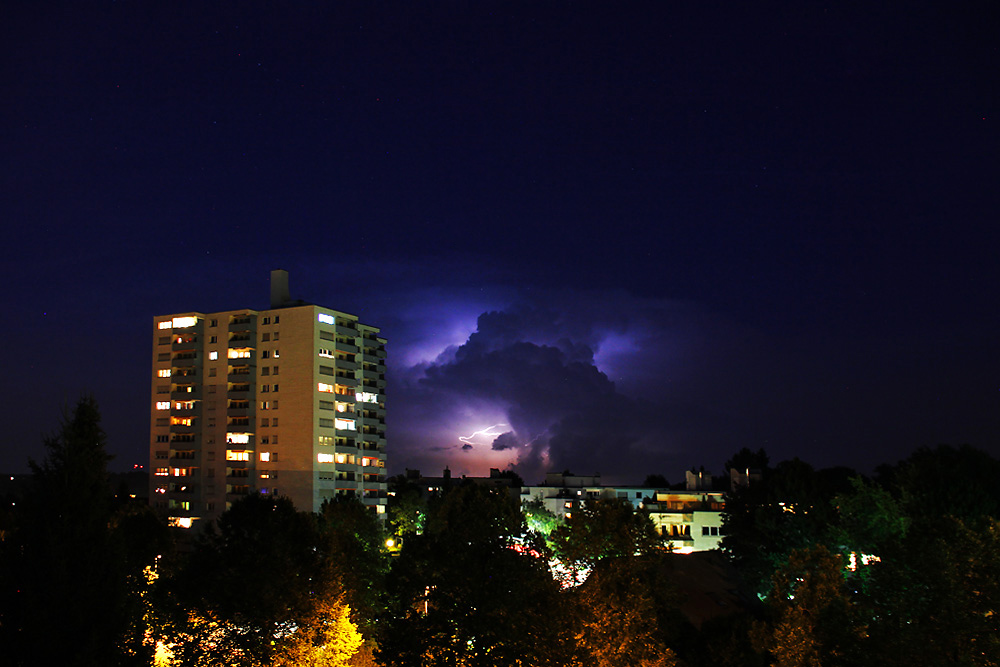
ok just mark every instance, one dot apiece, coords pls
pixel 811 618
pixel 934 595
pixel 656 482
pixel 790 509
pixel 69 591
pixel 947 481
pixel 748 459
pixel 469 592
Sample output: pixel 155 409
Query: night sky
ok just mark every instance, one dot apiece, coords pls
pixel 621 237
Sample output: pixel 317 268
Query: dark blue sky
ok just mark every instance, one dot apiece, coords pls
pixel 697 227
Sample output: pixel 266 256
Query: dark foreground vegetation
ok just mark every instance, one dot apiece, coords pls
pixel 820 568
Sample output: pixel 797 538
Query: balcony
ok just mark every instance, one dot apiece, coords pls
pixel 184 360
pixel 346 347
pixel 243 323
pixel 349 332
pixel 184 394
pixel 179 343
pixel 239 374
pixel 347 365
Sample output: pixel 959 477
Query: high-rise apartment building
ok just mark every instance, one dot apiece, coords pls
pixel 287 401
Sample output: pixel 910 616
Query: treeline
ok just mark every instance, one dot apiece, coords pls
pixel 900 569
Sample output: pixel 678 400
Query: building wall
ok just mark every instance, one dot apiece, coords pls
pixel 236 408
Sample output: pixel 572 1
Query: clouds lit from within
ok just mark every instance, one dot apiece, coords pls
pixel 531 388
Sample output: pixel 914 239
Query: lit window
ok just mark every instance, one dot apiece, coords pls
pixel 328 388
pixel 341 458
pixel 265 456
pixel 162 472
pixel 366 397
pixel 324 458
pixel 237 455
pixel 181 421
pixel 237 438
pixel 323 352
pixel 239 353
pixel 165 324
pixel 344 424
pixel 163 405
pixel 180 521
pixel 163 373
pixel 182 322
pixel 276 355
pixel 325 319
pixel 213 355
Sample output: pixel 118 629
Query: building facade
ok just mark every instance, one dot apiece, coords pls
pixel 691 518
pixel 286 401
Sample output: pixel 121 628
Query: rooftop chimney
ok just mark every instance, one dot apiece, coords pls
pixel 279 288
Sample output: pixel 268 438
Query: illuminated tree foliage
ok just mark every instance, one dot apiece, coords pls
pixel 69 569
pixel 467 592
pixel 791 508
pixel 539 518
pixel 406 511
pixel 812 622
pixel 353 543
pixel 258 588
pixel 604 528
pixel 627 613
pixel 328 638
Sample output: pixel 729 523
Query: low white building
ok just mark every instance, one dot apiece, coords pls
pixel 564 492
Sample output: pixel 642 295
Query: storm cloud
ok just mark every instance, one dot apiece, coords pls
pixel 579 381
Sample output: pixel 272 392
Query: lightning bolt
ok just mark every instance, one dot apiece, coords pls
pixel 485 431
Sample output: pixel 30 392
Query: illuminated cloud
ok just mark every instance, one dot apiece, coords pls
pixel 506 440
pixel 528 382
